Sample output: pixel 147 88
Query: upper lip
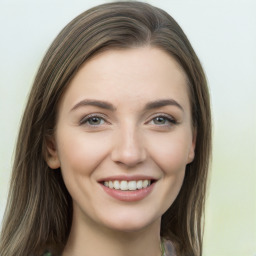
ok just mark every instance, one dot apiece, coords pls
pixel 127 178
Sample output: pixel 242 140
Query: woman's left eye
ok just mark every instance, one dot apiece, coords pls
pixel 162 120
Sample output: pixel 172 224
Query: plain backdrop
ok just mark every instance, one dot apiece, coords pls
pixel 223 33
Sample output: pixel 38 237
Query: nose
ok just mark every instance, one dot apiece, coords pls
pixel 128 148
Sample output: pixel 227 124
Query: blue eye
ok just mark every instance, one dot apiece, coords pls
pixel 92 121
pixel 160 120
pixel 163 120
pixel 95 121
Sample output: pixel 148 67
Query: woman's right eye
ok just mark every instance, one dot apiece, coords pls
pixel 93 121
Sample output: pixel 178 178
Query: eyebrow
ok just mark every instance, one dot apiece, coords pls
pixel 109 106
pixel 97 103
pixel 163 103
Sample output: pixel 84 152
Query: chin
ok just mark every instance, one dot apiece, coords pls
pixel 131 223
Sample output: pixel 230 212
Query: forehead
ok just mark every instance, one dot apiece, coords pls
pixel 129 75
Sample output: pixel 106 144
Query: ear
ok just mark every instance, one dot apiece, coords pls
pixel 51 153
pixel 191 154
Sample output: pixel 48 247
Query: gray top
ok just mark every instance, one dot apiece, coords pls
pixel 169 248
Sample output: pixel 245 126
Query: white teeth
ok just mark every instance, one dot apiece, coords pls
pixel 110 184
pixel 127 185
pixel 132 185
pixel 123 185
pixel 116 184
pixel 145 183
pixel 139 184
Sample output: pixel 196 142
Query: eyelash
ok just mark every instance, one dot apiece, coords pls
pixel 88 118
pixel 167 118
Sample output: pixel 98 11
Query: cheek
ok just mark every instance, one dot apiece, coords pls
pixel 170 152
pixel 80 153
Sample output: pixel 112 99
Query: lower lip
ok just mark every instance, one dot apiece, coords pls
pixel 129 195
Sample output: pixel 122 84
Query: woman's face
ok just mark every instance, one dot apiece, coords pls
pixel 124 137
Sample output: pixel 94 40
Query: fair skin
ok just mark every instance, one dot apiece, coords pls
pixel 125 116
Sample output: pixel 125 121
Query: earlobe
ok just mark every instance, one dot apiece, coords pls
pixel 191 154
pixel 51 153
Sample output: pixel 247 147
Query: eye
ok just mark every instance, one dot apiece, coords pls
pixel 93 120
pixel 163 120
pixel 160 120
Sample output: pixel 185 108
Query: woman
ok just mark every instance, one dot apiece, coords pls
pixel 113 150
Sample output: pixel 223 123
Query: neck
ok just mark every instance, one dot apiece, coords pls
pixel 88 238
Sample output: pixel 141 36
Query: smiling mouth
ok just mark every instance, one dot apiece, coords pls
pixel 130 185
pixel 128 189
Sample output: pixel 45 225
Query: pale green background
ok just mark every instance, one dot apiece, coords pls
pixel 223 33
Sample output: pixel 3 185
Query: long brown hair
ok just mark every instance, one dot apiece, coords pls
pixel 39 210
